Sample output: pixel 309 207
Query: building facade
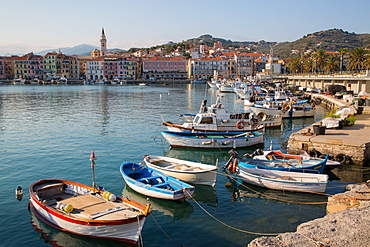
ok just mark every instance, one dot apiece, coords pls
pixel 164 68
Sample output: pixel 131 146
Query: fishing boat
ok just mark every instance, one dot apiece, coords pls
pixel 285 109
pixel 85 210
pixel 297 165
pixel 187 171
pixel 215 118
pixel 150 182
pixel 278 155
pixel 213 140
pixel 284 180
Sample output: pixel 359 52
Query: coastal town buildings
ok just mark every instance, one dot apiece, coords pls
pixel 202 68
pixel 197 61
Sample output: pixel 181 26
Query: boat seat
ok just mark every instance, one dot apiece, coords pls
pixel 160 185
pixel 148 179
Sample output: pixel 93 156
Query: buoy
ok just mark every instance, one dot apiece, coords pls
pixel 228 184
pixel 109 196
pixel 235 164
pixel 68 208
pixel 18 191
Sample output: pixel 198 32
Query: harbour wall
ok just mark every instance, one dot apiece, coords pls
pixel 348 145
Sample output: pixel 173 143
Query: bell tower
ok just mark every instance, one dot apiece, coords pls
pixel 103 44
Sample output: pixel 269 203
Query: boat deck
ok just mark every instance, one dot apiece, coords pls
pixel 85 206
pixel 173 165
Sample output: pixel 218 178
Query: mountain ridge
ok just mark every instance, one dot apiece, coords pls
pixel 328 40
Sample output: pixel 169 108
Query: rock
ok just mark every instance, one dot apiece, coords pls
pixel 349 227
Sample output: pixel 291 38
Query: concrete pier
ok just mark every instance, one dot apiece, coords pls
pixel 350 144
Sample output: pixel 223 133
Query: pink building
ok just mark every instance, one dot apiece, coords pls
pixel 114 67
pixel 165 68
pixel 35 67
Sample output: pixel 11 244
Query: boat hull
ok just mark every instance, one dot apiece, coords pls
pixel 179 190
pixel 287 181
pixel 126 230
pixel 215 140
pixel 284 165
pixel 205 176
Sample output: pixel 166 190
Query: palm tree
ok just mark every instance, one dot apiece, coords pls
pixel 342 52
pixel 295 65
pixel 320 59
pixel 357 58
pixel 308 66
pixel 331 64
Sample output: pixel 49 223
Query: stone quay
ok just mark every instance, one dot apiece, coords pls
pixel 349 144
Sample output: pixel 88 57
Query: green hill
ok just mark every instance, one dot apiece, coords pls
pixel 329 40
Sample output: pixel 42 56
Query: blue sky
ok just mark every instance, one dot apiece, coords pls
pixel 49 24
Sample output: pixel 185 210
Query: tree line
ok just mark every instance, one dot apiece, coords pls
pixel 320 61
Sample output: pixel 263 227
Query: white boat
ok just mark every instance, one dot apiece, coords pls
pixel 284 180
pixel 19 81
pixel 87 211
pixel 62 80
pixel 277 155
pixel 285 109
pixel 213 83
pixel 216 119
pixel 187 171
pixel 213 140
pixel 150 182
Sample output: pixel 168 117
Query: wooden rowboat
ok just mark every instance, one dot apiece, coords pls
pixel 187 171
pixel 87 211
pixel 284 180
pixel 150 182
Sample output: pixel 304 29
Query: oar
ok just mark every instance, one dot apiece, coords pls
pixel 237 135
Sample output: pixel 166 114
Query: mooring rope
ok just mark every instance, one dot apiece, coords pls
pixel 165 232
pixel 231 227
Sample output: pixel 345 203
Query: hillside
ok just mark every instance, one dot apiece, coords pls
pixel 329 40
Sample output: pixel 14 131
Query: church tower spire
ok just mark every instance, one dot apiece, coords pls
pixel 103 43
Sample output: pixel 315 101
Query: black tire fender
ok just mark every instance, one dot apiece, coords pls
pixel 342 158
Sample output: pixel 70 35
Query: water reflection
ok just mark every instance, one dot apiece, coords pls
pixel 176 210
pixel 58 238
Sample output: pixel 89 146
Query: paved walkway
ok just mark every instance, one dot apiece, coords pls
pixel 356 135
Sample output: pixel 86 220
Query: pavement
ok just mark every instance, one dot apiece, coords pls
pixel 356 135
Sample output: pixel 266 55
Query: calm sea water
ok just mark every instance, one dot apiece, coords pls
pixel 50 131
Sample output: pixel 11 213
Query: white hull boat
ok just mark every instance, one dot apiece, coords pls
pixel 284 180
pixel 187 171
pixel 213 140
pixel 87 211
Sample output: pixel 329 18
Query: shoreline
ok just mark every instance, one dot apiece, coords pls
pixel 346 223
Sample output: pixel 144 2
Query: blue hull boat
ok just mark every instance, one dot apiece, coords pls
pixel 150 182
pixel 316 166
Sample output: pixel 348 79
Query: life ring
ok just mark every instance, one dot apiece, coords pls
pixel 262 116
pixel 341 158
pixel 240 125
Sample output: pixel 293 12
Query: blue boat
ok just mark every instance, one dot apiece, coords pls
pixel 316 166
pixel 150 182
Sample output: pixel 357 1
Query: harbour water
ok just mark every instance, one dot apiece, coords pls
pixel 49 132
